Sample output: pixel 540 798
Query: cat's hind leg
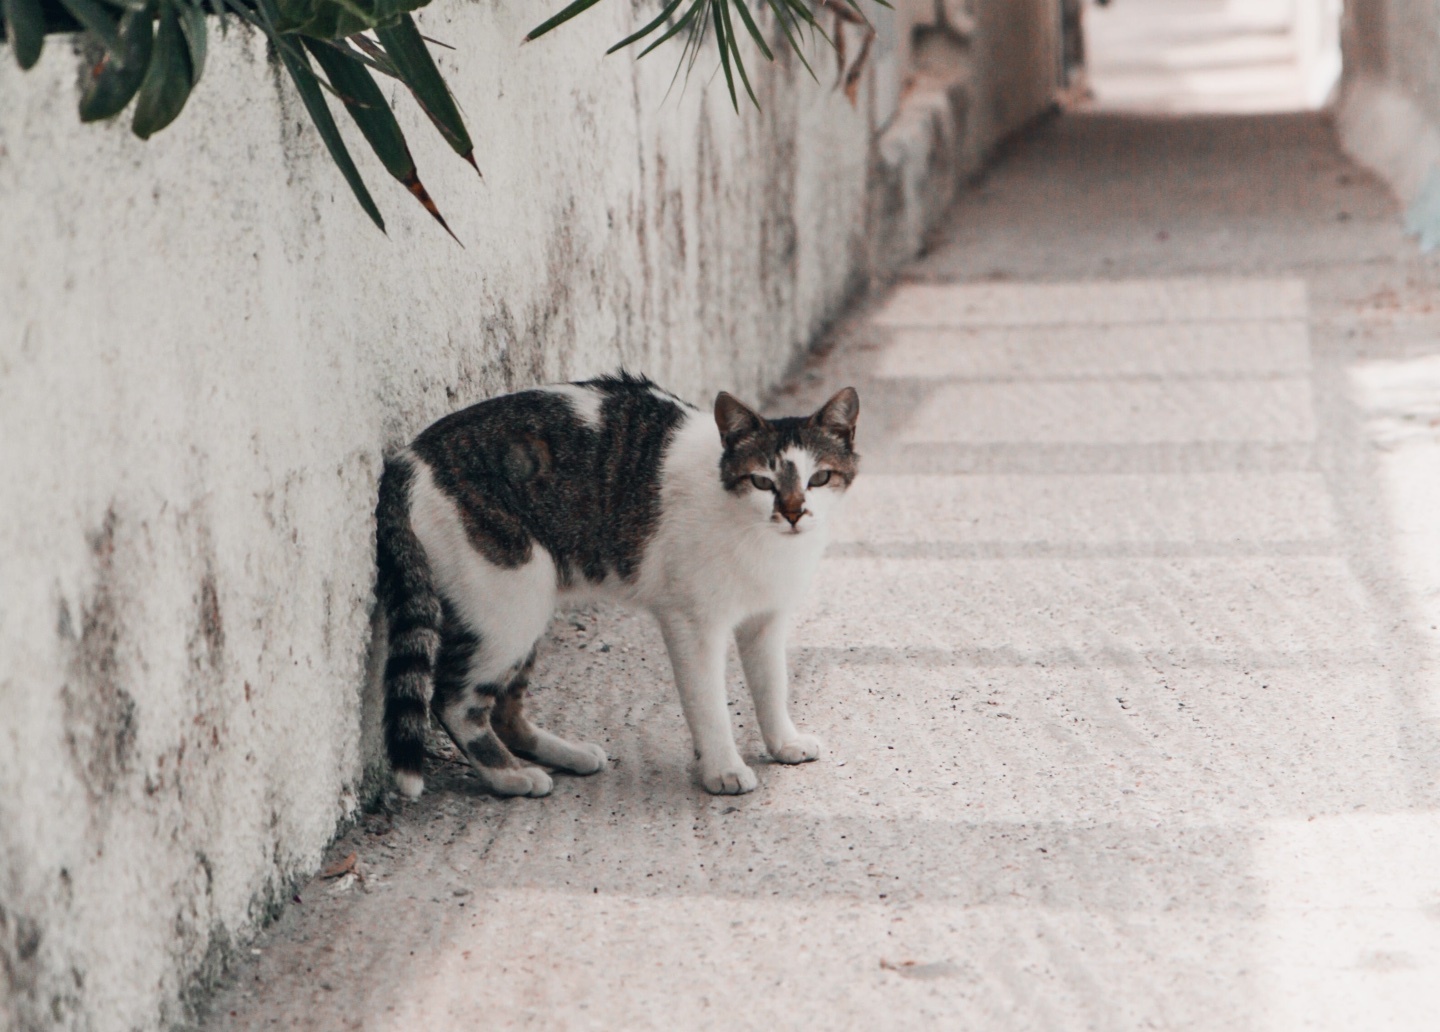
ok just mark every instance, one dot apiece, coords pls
pixel 468 718
pixel 526 740
pixel 499 612
pixel 469 681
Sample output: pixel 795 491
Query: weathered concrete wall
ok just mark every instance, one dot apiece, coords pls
pixel 1017 66
pixel 976 73
pixel 204 350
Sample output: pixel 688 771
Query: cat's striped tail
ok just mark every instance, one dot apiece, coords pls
pixel 414 614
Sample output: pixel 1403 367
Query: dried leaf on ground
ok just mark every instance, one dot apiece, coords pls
pixel 914 969
pixel 349 865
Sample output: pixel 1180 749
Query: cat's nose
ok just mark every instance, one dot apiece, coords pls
pixel 792 516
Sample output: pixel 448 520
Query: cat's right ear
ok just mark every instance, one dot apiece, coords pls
pixel 733 418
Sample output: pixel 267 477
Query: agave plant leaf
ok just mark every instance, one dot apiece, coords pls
pixel 406 50
pixel 366 104
pixel 734 44
pixel 715 11
pixel 753 29
pixel 192 27
pixel 801 11
pixel 686 19
pixel 335 19
pixel 167 81
pixel 314 99
pixel 96 18
pixel 25 28
pixel 254 16
pixel 650 27
pixel 570 11
pixel 263 16
pixel 115 78
pixel 694 40
pixel 374 55
pixel 784 17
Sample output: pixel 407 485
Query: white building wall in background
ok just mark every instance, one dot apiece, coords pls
pixel 1317 35
pixel 1389 108
pixel 1213 56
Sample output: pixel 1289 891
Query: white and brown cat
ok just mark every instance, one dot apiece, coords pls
pixel 610 488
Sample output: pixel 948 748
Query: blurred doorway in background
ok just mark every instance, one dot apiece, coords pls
pixel 1219 56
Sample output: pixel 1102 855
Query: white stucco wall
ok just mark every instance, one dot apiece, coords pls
pixel 1389 109
pixel 205 347
pixel 1017 66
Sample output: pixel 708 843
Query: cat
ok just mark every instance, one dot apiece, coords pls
pixel 607 488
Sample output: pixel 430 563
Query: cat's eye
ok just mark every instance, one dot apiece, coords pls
pixel 762 483
pixel 820 479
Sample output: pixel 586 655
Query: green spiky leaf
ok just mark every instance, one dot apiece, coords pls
pixel 192 27
pixel 729 38
pixel 96 18
pixel 367 51
pixel 115 78
pixel 754 30
pixel 168 80
pixel 307 84
pixel 716 7
pixel 577 7
pixel 25 28
pixel 366 104
pixel 783 16
pixel 313 98
pixel 336 19
pixel 650 27
pixel 687 19
pixel 407 51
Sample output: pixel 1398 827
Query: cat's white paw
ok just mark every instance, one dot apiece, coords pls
pixel 519 781
pixel 540 782
pixel 731 779
pixel 410 785
pixel 800 749
pixel 592 759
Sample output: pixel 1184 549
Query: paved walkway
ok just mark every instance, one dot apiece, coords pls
pixel 1127 664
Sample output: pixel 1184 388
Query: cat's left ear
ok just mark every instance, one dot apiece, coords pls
pixel 838 415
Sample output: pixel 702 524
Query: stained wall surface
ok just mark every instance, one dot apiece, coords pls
pixel 1411 48
pixel 206 348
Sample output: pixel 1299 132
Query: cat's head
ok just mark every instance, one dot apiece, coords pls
pixel 790 472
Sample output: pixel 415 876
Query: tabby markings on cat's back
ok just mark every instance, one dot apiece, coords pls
pixel 614 488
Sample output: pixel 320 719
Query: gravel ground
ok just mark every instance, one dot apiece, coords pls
pixel 1126 662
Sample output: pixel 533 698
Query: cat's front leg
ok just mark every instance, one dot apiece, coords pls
pixel 697 652
pixel 762 653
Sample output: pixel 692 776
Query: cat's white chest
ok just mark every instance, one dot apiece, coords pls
pixel 724 577
pixel 779 571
